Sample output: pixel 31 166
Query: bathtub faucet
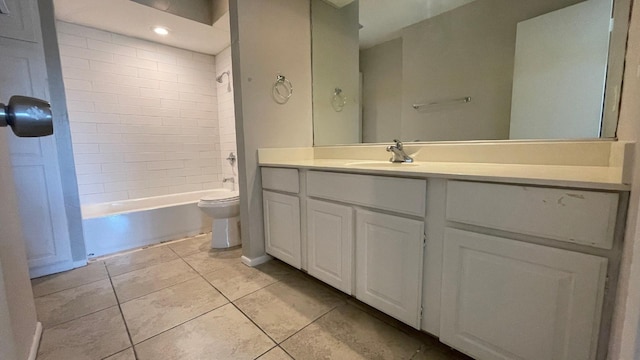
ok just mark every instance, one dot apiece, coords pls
pixel 229 179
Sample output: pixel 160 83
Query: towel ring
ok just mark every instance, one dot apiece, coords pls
pixel 338 101
pixel 282 90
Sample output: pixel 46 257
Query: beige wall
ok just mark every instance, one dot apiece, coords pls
pixel 381 68
pixel 268 37
pixel 335 65
pixel 625 338
pixel 16 295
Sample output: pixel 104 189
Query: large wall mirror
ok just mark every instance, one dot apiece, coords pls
pixel 452 70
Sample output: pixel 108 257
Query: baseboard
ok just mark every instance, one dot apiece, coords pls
pixel 36 342
pixel 255 261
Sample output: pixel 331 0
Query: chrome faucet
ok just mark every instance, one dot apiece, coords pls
pixel 399 156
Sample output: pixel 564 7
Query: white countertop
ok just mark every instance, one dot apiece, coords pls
pixel 588 177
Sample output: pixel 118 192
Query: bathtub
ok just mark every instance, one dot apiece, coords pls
pixel 129 224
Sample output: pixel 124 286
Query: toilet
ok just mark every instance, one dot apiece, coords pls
pixel 224 207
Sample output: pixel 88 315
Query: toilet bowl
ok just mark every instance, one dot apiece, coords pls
pixel 224 207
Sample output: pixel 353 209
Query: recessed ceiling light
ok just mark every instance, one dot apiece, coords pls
pixel 161 30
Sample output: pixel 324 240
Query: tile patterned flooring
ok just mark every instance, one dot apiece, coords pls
pixel 182 301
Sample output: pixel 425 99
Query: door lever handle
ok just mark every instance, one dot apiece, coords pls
pixel 27 116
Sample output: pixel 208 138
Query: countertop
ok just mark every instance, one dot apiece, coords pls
pixel 584 177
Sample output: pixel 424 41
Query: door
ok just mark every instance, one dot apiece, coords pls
pixel 34 160
pixel 389 255
pixel 282 227
pixel 505 299
pixel 330 243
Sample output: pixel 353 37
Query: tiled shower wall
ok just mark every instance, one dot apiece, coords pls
pixel 226 117
pixel 144 116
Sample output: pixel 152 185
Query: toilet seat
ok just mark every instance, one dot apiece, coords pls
pixel 220 197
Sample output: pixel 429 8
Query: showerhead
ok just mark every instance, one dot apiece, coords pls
pixel 219 79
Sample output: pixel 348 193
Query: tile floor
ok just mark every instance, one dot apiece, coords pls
pixel 183 301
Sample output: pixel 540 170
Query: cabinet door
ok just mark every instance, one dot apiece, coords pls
pixel 505 299
pixel 389 253
pixel 282 226
pixel 330 243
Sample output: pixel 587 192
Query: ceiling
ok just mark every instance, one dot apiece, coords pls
pixel 382 20
pixel 132 19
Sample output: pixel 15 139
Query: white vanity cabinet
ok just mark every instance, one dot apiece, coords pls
pixel 494 270
pixel 389 255
pixel 330 243
pixel 507 297
pixel 386 254
pixel 282 215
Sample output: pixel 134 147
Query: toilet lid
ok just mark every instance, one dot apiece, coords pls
pixel 221 196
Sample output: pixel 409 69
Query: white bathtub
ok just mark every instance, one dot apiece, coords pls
pixel 123 225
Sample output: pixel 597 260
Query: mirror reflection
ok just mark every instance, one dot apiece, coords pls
pixel 432 70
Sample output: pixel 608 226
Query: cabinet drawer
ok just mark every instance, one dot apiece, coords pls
pixel 577 216
pixel 394 194
pixel 280 179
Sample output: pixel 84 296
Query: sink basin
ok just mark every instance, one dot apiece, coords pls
pixel 379 164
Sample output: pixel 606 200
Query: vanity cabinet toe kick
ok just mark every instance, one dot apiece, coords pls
pixel 496 271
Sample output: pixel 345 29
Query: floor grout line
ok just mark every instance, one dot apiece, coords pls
pixel 135 353
pixel 74 287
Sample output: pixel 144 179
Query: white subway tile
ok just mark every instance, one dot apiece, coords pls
pixel 72 62
pixel 162 94
pixel 83 53
pixel 106 168
pixel 197 97
pixel 138 101
pixel 99 86
pixel 110 128
pixel 133 42
pixel 182 155
pixel 83 106
pixel 146 114
pixel 158 75
pixel 165 165
pixel 184 188
pixel 161 113
pixel 138 82
pixel 135 62
pixel 189 88
pixel 80 116
pixel 145 119
pixel 107 108
pixel 74 84
pixel 71 40
pixel 144 193
pixel 104 197
pixel 88 169
pixel 87 189
pixel 82 127
pixel 156 56
pixel 142 156
pixel 183 172
pixel 86 148
pixel 125 185
pixel 113 68
pixel 98 158
pixel 110 47
pixel 83 138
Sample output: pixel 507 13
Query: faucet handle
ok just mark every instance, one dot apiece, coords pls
pixel 399 144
